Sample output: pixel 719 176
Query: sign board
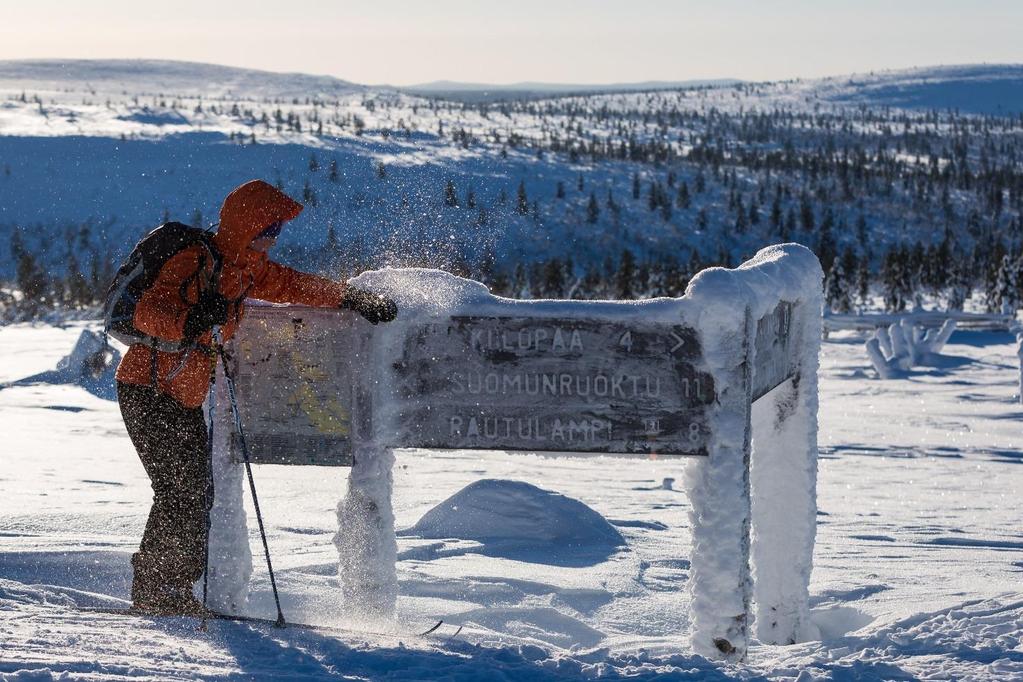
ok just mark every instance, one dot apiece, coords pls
pixel 774 350
pixel 494 382
pixel 542 384
pixel 294 377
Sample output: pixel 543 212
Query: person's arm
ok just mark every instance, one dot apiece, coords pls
pixel 281 284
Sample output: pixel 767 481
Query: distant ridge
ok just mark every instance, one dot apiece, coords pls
pixel 559 88
pixel 969 88
pixel 152 76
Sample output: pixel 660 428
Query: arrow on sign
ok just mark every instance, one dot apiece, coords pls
pixel 678 341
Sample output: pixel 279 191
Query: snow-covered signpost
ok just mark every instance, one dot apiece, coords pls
pixel 727 374
pixel 763 322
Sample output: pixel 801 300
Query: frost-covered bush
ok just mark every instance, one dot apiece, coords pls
pixel 896 349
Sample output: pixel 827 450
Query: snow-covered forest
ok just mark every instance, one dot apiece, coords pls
pixel 907 184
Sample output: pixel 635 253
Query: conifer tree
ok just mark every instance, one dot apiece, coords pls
pixel 789 226
pixel 625 277
pixel 741 222
pixel 892 278
pixel 77 291
pixel 776 214
pixel 837 293
pixel 682 199
pixel 806 213
pixel 863 282
pixel 826 250
pixel 450 196
pixel 592 209
pixel 701 219
pixel 553 279
pixel 993 255
pixel 960 284
pixel 1007 285
pixel 29 278
pixel 522 207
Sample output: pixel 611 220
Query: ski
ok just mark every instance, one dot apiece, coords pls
pixel 212 615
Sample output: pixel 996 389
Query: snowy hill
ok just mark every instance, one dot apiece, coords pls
pixel 981 89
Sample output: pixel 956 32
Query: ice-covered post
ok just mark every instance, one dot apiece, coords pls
pixel 759 326
pixel 718 486
pixel 230 555
pixel 784 464
pixel 366 542
pixel 1019 354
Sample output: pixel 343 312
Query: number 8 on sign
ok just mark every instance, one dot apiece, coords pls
pixel 694 433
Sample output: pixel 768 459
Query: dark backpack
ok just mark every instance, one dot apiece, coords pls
pixel 138 272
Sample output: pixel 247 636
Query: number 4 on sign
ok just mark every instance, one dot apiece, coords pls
pixel 626 341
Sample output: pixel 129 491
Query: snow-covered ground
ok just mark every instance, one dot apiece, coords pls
pixel 918 564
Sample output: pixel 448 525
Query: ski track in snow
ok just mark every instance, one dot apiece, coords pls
pixel 918 561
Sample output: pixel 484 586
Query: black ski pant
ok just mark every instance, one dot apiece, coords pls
pixel 171 441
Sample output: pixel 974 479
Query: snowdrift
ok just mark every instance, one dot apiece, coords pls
pixel 517 520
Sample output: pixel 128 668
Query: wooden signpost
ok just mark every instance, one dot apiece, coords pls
pixel 461 369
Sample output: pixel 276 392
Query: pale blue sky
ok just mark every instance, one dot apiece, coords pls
pixel 596 41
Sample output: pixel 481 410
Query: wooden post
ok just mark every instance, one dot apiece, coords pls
pixel 719 487
pixel 230 557
pixel 366 542
pixel 784 475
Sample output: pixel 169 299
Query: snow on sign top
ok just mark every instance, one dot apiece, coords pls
pixel 463 369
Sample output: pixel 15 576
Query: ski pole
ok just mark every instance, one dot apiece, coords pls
pixel 252 482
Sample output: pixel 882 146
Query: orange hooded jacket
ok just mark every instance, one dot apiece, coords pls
pixel 161 312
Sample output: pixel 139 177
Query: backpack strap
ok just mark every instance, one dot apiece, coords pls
pixel 213 280
pixel 153 373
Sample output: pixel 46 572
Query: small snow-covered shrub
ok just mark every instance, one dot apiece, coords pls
pixel 896 349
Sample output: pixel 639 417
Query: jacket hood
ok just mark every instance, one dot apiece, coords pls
pixel 248 210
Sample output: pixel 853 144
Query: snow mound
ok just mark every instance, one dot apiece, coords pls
pixel 514 519
pixel 92 364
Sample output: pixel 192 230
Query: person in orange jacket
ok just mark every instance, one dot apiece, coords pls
pixel 161 394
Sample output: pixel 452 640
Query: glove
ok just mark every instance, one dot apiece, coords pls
pixel 209 311
pixel 371 306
